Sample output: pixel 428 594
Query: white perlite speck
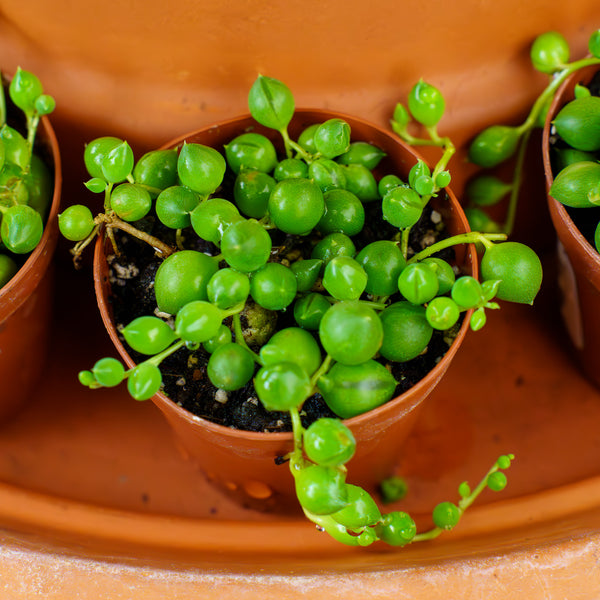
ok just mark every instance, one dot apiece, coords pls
pixel 221 396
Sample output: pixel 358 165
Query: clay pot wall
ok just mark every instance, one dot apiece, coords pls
pixel 578 260
pixel 26 303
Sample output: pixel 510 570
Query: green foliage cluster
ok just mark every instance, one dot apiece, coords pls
pixel 26 184
pixel 352 304
pixel 578 124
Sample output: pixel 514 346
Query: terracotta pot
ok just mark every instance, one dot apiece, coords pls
pixel 242 462
pixel 26 301
pixel 578 261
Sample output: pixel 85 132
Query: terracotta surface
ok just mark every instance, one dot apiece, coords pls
pixel 95 498
pixel 579 273
pixel 243 463
pixel 154 527
pixel 136 70
pixel 26 303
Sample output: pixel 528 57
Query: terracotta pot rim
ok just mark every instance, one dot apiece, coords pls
pixel 557 209
pixel 50 234
pixel 161 400
pixel 45 514
pixel 298 112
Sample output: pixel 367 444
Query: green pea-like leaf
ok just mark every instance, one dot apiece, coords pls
pixel 517 267
pixel 505 461
pixel 328 442
pixel 578 123
pixel 443 179
pixel 400 119
pixel 464 490
pixel 118 163
pixel 490 288
pixel 96 185
pixel 230 367
pixel 578 185
pixel 563 157
pixel 418 283
pixel 478 319
pixel 362 153
pixel 361 511
pixel 406 331
pixel 198 321
pixel 332 138
pixel 148 335
pixel 16 148
pixel 419 169
pixel 8 269
pixel 144 381
pixel 76 222
pixel 351 390
pixel 157 169
pixel 95 153
pixel 426 104
pixel 581 91
pixel 397 528
pixel 344 278
pixel 494 145
pixel 424 185
pixel 24 89
pixel 594 44
pixel 442 313
pixel 549 52
pixel 402 207
pixel 467 292
pixel 21 228
pixel 446 515
pixel 174 206
pixel 393 488
pixel 201 168
pixel 292 344
pixel 282 386
pixel 597 237
pixel 108 371
pixel 86 378
pixel 271 103
pixel 321 490
pixel 44 104
pixel 480 221
pixel 496 481
pixel 486 190
pixel 307 272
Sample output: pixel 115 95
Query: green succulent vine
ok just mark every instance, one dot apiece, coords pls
pixel 357 307
pixel 26 185
pixel 497 144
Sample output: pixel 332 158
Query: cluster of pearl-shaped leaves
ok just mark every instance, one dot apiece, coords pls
pixel 498 143
pixel 320 186
pixel 25 180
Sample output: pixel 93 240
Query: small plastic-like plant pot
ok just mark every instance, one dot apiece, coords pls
pixel 578 260
pixel 26 300
pixel 243 463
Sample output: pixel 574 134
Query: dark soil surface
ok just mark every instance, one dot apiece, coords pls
pixel 184 373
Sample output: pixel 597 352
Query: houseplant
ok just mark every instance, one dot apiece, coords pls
pixel 499 143
pixel 572 205
pixel 567 111
pixel 295 246
pixel 30 182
